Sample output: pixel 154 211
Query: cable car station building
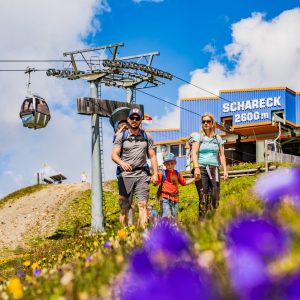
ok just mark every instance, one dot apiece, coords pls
pixel 245 117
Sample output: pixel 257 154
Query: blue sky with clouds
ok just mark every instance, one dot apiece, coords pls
pixel 213 44
pixel 188 34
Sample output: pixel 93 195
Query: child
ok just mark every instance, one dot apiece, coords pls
pixel 168 189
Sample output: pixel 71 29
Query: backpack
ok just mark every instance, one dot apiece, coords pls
pixel 164 177
pixel 131 139
pixel 189 161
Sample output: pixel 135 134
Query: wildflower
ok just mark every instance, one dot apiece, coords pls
pixel 107 244
pixel 26 263
pixel 181 281
pixel 89 258
pixel 259 236
pixel 132 227
pixel 166 237
pixel 35 265
pixel 37 272
pixel 249 276
pixel 275 185
pixel 15 287
pixel 20 274
pixel 290 287
pixel 122 234
pixel 173 276
pixel 252 243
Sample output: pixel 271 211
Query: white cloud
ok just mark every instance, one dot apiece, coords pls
pixel 170 119
pixel 264 53
pixel 44 30
pixel 209 48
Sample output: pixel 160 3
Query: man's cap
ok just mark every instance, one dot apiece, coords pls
pixel 169 157
pixel 135 111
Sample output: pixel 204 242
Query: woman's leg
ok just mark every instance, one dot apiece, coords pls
pixel 205 181
pixel 215 182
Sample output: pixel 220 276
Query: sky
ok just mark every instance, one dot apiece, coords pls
pixel 211 44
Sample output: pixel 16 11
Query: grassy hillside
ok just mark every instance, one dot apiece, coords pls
pixel 22 192
pixel 76 265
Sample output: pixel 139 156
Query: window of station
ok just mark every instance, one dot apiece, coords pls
pixel 174 149
pixel 278 113
pixel 182 150
pixel 227 122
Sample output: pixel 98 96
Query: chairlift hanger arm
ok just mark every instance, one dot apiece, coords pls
pixel 145 55
pixel 94 49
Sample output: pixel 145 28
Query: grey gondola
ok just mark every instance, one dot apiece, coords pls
pixel 35 112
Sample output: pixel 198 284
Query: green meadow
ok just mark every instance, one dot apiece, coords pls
pixel 75 264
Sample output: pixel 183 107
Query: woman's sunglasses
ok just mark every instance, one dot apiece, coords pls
pixel 132 118
pixel 206 121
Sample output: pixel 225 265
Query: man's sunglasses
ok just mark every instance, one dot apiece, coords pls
pixel 206 121
pixel 132 118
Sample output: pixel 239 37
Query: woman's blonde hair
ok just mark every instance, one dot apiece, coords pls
pixel 213 123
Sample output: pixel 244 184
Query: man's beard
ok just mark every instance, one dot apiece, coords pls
pixel 134 126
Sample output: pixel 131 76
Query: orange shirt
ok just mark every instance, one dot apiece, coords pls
pixel 170 185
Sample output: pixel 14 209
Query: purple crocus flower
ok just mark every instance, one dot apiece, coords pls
pixel 167 238
pixel 178 282
pixel 37 272
pixel 107 244
pixel 289 288
pixel 89 258
pixel 272 186
pixel 249 276
pixel 260 236
pixel 20 274
pixel 164 269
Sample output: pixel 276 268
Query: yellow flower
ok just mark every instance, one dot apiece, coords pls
pixel 26 263
pixel 35 265
pixel 132 227
pixel 15 287
pixel 122 234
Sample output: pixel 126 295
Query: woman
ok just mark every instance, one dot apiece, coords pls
pixel 207 155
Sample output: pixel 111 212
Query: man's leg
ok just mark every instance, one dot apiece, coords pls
pixel 125 190
pixel 124 210
pixel 141 191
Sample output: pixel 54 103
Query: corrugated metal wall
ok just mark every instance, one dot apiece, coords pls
pixel 190 122
pixel 290 112
pixel 297 108
pixel 165 135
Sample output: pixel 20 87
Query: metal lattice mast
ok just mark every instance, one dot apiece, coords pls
pixel 102 157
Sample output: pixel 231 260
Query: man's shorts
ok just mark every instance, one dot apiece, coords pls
pixel 138 186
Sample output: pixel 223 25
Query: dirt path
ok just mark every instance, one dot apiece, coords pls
pixel 35 215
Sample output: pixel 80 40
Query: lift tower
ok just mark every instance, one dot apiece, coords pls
pixel 101 65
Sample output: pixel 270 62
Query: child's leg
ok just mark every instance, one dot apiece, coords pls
pixel 165 207
pixel 174 209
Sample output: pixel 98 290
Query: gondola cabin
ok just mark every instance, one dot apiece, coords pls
pixel 35 112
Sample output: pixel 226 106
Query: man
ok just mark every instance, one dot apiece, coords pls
pixel 131 155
